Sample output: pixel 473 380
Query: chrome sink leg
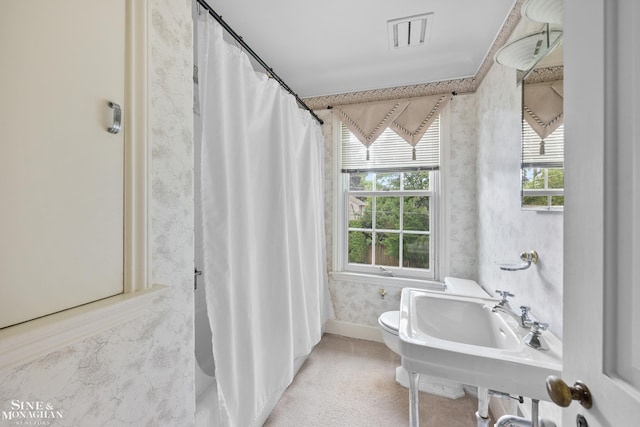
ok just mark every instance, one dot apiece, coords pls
pixel 483 407
pixel 482 422
pixel 534 413
pixel 414 379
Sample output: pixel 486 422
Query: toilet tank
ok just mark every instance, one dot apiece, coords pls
pixel 466 287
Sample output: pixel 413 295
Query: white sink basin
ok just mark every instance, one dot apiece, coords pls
pixel 463 321
pixel 461 339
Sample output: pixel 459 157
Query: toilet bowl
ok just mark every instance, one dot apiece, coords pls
pixel 389 321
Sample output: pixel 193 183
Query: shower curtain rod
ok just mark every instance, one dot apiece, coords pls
pixel 255 56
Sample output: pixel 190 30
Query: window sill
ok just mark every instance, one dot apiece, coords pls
pixel 544 210
pixel 28 341
pixel 375 279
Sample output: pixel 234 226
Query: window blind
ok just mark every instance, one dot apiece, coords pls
pixel 547 154
pixel 391 152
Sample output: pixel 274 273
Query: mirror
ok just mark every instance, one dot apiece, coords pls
pixel 537 58
pixel 542 166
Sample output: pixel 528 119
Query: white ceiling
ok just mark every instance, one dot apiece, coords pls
pixel 326 47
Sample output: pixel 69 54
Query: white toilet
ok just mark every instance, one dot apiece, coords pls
pixel 388 322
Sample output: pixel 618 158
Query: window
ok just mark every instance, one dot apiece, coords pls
pixel 387 205
pixel 542 169
pixel 389 222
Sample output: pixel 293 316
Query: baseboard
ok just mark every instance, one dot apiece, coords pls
pixel 353 330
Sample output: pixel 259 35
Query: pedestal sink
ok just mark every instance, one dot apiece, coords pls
pixel 461 339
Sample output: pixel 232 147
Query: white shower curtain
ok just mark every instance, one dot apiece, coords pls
pixel 263 229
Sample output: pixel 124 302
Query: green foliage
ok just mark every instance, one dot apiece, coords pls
pixel 387 213
pixel 416 180
pixel 388 181
pixel 359 243
pixel 556 178
pixel 534 178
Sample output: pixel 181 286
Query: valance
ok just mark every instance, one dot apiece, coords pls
pixel 414 121
pixel 542 106
pixel 368 121
pixel 409 118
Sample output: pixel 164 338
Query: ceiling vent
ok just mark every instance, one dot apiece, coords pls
pixel 409 31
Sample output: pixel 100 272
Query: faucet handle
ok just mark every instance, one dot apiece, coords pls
pixel 525 310
pixel 504 295
pixel 534 338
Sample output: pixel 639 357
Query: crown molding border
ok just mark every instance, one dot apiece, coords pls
pixel 548 74
pixel 457 86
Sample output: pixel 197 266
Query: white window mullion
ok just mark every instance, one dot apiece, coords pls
pixel 401 234
pixel 432 257
pixel 345 220
pixel 401 237
pixel 546 179
pixel 374 237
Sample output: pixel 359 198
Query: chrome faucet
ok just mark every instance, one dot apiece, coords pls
pixel 523 319
pixel 534 338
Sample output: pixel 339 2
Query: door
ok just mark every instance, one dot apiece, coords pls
pixel 61 172
pixel 602 213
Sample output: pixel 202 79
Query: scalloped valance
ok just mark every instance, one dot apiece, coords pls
pixel 409 118
pixel 543 106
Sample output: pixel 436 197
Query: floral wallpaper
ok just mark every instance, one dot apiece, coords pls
pixel 460 196
pixel 505 230
pixel 139 373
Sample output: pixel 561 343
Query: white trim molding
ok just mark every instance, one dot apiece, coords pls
pixel 443 197
pixel 385 280
pixel 137 251
pixel 353 330
pixel 28 341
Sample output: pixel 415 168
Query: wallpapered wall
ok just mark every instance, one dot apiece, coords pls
pixel 505 230
pixel 141 373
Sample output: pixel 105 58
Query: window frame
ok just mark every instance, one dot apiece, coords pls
pixel 547 192
pixel 341 269
pixel 374 268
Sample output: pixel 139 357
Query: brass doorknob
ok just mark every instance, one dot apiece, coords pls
pixel 562 394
